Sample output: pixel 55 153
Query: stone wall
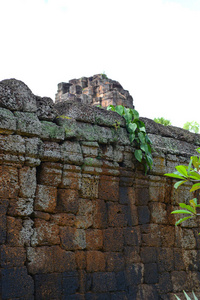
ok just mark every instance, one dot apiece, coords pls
pixel 79 219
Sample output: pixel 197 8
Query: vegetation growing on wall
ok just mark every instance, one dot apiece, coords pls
pixel 137 134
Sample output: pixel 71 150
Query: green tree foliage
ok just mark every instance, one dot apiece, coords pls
pixel 191 126
pixel 162 121
pixel 137 134
pixel 184 174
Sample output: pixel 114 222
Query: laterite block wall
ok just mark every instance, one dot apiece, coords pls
pixel 79 219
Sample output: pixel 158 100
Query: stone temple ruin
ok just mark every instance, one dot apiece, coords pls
pixel 79 218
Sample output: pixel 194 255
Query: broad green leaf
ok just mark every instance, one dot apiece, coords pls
pixel 174 175
pixel 111 107
pixel 189 166
pixel 181 211
pixel 145 148
pixel 128 117
pixel 138 155
pixel 194 175
pixel 177 184
pixel 198 150
pixel 182 220
pixel 119 109
pixel 132 127
pixel 148 140
pixel 132 137
pixel 141 137
pixel 188 207
pixel 182 170
pixel 143 129
pixel 135 113
pixel 149 161
pixel 195 187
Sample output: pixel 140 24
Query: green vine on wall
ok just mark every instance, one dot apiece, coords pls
pixel 137 134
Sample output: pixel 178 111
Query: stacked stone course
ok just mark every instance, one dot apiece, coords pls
pixel 79 219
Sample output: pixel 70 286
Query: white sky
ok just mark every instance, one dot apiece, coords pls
pixel 152 47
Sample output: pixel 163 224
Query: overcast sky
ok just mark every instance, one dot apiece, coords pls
pixel 152 47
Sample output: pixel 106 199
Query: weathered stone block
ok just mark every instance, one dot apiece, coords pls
pixel 70 284
pixel 51 131
pixel 179 281
pixel 7 121
pixel 84 217
pixel 46 198
pixel 143 214
pixel 71 177
pixel 150 235
pixel 158 213
pixel 134 274
pixel 148 254
pixel 117 215
pixel 165 260
pixel 67 201
pixel 49 173
pixel 167 234
pixel 89 187
pixel 72 238
pixel 27 124
pixel 14 227
pixel 147 292
pixel 80 259
pixel 104 282
pixel 132 236
pixel 16 283
pixel 27 182
pixel 114 262
pixel 94 239
pixel 50 151
pixel 71 153
pixel 113 239
pixel 165 283
pixel 48 286
pixel 109 188
pixel 95 261
pixel 132 255
pixel 45 233
pixel 63 219
pixel 150 273
pixel 142 196
pixel 45 108
pixel 12 256
pixel 9 186
pixel 21 207
pixel 100 214
pixel 3 227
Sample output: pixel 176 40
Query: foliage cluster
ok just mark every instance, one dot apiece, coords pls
pixel 191 126
pixel 162 121
pixel 184 174
pixel 137 134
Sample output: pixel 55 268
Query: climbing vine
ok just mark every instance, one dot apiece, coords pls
pixel 137 134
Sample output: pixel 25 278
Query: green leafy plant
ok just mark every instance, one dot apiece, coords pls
pixel 162 121
pixel 184 174
pixel 137 134
pixel 187 297
pixel 191 126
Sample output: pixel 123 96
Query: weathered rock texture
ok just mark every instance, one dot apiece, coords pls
pixel 79 219
pixel 95 90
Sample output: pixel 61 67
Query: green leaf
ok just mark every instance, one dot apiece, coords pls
pixel 138 155
pixel 141 137
pixel 145 148
pixel 174 175
pixel 182 220
pixel 188 207
pixel 132 137
pixel 132 127
pixel 111 107
pixel 128 116
pixel 181 211
pixel 177 297
pixel 195 297
pixel 195 187
pixel 182 170
pixel 119 109
pixel 149 161
pixel 186 296
pixel 193 202
pixel 135 113
pixel 177 184
pixel 198 150
pixel 194 175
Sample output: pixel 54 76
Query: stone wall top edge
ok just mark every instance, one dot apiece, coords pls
pixel 23 113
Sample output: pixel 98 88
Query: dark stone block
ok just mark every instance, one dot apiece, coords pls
pixel 165 260
pixel 124 197
pixel 113 239
pixel 132 236
pixel 114 261
pixel 165 283
pixel 73 297
pixel 104 282
pixel 143 214
pixel 142 196
pixel 118 296
pixel 16 283
pixel 2 229
pixel 134 274
pixel 121 281
pixel 148 254
pixel 70 283
pixel 147 292
pixel 132 293
pixel 48 286
pixel 150 273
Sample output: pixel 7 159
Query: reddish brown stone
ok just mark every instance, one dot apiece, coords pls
pixel 80 259
pixel 14 227
pixel 72 238
pixel 114 262
pixel 117 215
pixel 9 185
pixel 113 239
pixel 158 213
pixel 109 188
pixel 63 219
pixel 150 235
pixel 45 233
pixel 167 234
pixel 95 261
pixel 50 174
pixel 12 256
pixel 67 200
pixel 94 239
pixel 89 187
pixel 100 214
